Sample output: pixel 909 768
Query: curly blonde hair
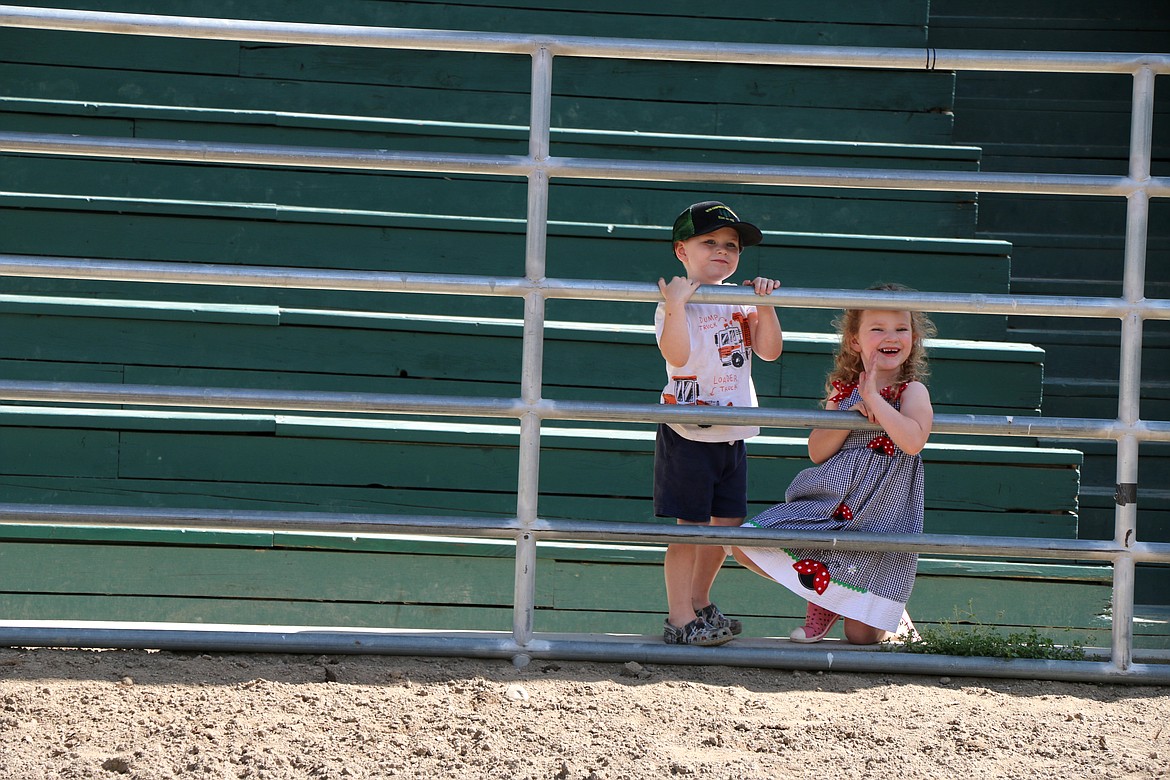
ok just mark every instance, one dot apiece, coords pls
pixel 847 365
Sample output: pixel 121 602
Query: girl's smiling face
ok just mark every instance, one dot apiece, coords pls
pixel 883 339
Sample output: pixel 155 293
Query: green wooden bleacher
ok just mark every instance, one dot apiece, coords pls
pixel 753 100
pixel 176 458
pixel 1066 123
pixel 314 340
pixel 303 463
pixel 256 215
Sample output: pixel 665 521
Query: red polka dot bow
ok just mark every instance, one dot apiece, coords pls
pixel 882 443
pixel 844 390
pixel 843 512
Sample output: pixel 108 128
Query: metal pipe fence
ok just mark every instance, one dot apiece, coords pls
pixel 1132 308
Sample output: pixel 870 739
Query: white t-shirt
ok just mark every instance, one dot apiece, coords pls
pixel 719 372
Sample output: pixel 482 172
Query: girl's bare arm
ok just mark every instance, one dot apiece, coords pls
pixel 824 443
pixel 909 428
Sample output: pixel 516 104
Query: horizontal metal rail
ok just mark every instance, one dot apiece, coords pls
pixel 1075 428
pixel 758 653
pixel 519 287
pixel 572 168
pixel 575 530
pixel 576 46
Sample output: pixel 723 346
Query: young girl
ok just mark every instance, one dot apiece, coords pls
pixel 869 481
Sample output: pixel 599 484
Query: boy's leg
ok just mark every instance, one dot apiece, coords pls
pixel 679 569
pixel 709 559
pixel 688 478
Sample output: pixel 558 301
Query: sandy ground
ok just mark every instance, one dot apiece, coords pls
pixel 142 714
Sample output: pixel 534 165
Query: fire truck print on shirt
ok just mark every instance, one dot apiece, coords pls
pixel 718 370
pixel 733 342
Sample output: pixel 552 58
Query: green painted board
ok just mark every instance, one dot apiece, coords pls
pixel 48 371
pixel 1098 355
pixel 247 126
pixel 1155 463
pixel 619 15
pixel 1132 27
pixel 293 195
pixel 99 491
pixel 790 101
pixel 579 79
pixel 19 119
pixel 232 573
pixel 56 452
pixel 1152 583
pixel 898 23
pixel 79 49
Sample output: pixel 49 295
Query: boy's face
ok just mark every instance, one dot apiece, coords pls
pixel 711 257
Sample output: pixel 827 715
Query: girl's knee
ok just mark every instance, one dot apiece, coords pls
pixel 858 633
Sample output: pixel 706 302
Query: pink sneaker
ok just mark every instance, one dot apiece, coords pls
pixel 817 622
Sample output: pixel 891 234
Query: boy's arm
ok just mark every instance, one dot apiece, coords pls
pixel 767 336
pixel 675 339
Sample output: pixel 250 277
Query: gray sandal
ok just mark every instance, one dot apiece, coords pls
pixel 697 632
pixel 715 617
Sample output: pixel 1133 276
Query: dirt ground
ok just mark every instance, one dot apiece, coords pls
pixel 142 714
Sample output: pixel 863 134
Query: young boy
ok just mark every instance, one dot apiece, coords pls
pixel 700 471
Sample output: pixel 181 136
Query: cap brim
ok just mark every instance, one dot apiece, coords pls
pixel 749 235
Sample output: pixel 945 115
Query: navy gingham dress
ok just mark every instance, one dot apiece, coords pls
pixel 870 485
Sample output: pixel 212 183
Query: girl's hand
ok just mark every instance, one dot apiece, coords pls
pixel 908 427
pixel 862 407
pixel 763 285
pixel 868 389
pixel 679 291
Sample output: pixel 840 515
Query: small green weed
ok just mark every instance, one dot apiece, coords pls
pixel 965 637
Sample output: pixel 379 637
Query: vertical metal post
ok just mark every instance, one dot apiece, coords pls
pixel 1129 380
pixel 531 379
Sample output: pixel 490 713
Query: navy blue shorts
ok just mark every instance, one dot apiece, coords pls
pixel 697 480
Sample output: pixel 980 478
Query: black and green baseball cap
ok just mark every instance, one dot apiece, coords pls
pixel 709 216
